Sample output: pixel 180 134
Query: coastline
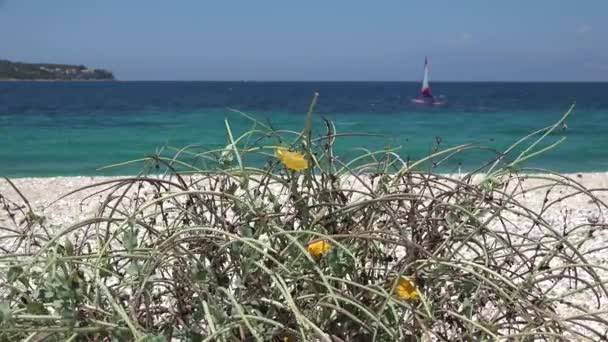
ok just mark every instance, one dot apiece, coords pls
pixel 41 192
pixel 54 80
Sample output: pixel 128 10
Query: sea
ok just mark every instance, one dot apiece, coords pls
pixel 80 128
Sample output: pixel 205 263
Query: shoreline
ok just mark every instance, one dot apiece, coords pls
pixel 53 80
pixel 42 191
pixel 573 175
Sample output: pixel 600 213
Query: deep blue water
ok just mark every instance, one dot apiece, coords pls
pixel 65 128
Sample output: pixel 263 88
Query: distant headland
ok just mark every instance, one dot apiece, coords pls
pixel 51 72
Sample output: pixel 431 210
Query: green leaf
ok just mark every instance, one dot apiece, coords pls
pixel 196 337
pixel 105 268
pixel 307 133
pixel 199 274
pixel 466 287
pixel 14 273
pixel 246 231
pixel 154 338
pixel 69 248
pixel 6 314
pixel 134 269
pixel 130 239
pixel 36 308
pixel 467 308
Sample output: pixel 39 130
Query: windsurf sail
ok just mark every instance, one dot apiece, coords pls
pixel 426 89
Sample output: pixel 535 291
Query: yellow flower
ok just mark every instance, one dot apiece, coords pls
pixel 292 160
pixel 319 248
pixel 406 289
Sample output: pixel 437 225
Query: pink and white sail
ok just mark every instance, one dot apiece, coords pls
pixel 427 98
pixel 426 88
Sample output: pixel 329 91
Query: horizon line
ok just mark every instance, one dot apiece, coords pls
pixel 305 81
pixel 311 81
pixel 367 81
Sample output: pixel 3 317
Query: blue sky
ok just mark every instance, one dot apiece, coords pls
pixel 475 40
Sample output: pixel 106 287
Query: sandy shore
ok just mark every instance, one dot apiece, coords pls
pixel 43 192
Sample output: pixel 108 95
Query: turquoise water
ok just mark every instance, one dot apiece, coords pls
pixel 50 129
